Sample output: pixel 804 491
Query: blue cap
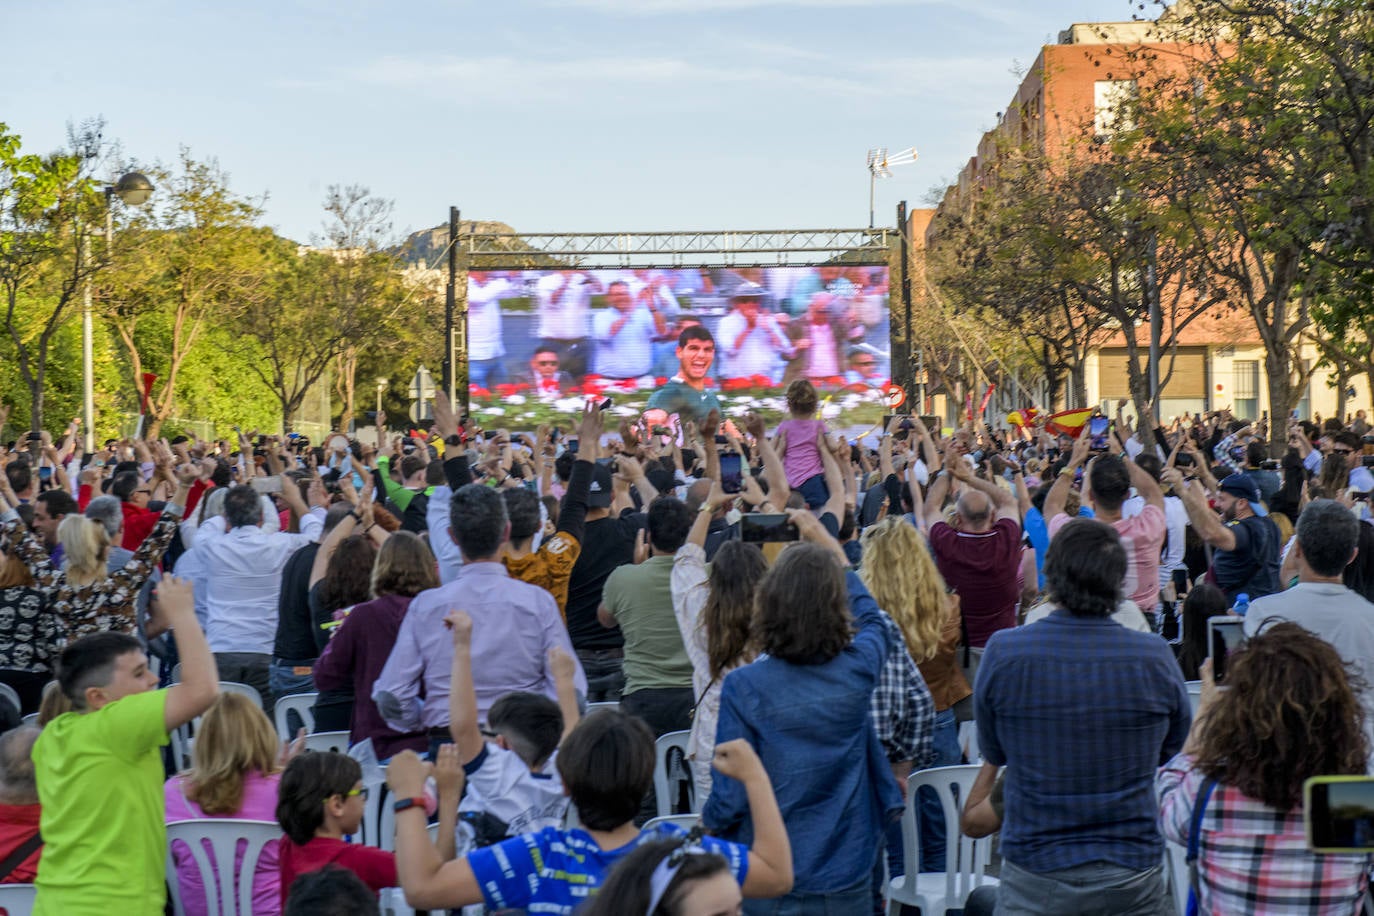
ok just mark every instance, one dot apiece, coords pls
pixel 1244 487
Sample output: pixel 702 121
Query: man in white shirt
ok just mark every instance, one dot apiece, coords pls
pixel 751 340
pixel 564 298
pixel 485 347
pixel 625 334
pixel 242 565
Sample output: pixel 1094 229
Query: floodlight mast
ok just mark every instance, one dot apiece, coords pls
pixel 879 166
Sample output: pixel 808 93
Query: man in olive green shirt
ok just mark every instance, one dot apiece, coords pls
pixel 639 600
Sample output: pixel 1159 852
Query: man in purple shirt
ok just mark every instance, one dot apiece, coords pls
pixel 516 626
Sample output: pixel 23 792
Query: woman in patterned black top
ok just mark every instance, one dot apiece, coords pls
pixel 83 597
pixel 28 631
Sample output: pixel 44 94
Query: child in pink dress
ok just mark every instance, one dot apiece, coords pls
pixel 797 443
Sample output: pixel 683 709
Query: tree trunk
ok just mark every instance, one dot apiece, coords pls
pixel 1282 396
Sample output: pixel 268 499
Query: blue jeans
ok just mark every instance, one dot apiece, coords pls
pixel 284 682
pixel 605 673
pixel 930 815
pixel 1097 887
pixel 851 901
pixel 483 373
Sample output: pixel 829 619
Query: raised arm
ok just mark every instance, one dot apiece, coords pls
pixel 773 472
pixel 199 675
pixel 462 695
pixel 1059 493
pixel 1004 506
pixel 1200 514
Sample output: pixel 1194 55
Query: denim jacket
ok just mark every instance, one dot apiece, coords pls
pixel 811 727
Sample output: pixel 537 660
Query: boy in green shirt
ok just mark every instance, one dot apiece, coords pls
pixel 99 767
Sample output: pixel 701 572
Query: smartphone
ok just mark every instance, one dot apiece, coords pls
pixel 934 424
pixel 267 484
pixel 1097 432
pixel 1367 461
pixel 1225 634
pixel 1338 813
pixel 572 447
pixel 731 472
pixel 904 425
pixel 1183 460
pixel 767 528
pixel 606 404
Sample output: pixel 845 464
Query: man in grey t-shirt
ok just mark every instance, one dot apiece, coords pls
pixel 1327 537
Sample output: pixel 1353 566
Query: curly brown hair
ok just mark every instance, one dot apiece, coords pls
pixel 801 608
pixel 1292 713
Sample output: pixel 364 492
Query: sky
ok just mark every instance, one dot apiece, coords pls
pixel 548 115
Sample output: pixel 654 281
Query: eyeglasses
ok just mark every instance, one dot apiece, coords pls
pixel 143 492
pixel 1343 451
pixel 546 362
pixel 361 790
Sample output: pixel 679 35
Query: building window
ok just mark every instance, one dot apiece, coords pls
pixel 1245 389
pixel 1111 106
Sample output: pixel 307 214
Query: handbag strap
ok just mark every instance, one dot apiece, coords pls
pixel 1204 794
pixel 20 854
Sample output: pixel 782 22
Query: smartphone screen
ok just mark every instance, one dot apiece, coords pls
pixel 731 472
pixel 1225 634
pixel 572 447
pixel 267 484
pixel 1097 430
pixel 1338 812
pixel 767 528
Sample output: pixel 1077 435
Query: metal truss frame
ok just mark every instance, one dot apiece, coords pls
pixel 728 248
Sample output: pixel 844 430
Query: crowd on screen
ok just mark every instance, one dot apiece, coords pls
pixel 507 621
pixel 769 326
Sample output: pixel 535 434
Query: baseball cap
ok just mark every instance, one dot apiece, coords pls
pixel 1243 486
pixel 599 496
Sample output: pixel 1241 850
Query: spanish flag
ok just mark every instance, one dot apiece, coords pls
pixel 1022 418
pixel 1069 422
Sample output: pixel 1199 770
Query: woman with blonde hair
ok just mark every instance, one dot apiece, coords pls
pixel 84 596
pixel 360 645
pixel 235 770
pixel 902 577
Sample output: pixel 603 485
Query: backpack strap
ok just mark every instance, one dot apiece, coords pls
pixel 1204 794
pixel 20 855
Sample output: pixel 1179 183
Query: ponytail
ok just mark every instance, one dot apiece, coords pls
pixel 85 544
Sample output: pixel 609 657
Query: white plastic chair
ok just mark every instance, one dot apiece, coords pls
pixel 593 707
pixel 9 693
pixel 1176 871
pixel 966 859
pixel 303 705
pixel 327 741
pixel 666 749
pixel 1194 694
pixel 235 894
pixel 30 719
pixel 685 821
pixel 18 899
pixel 968 741
pixel 183 739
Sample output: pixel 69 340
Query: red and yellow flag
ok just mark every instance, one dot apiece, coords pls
pixel 1069 422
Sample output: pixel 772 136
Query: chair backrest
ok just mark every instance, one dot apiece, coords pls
pixel 303 705
pixel 9 693
pixel 30 719
pixel 223 896
pixel 18 899
pixel 685 821
pixel 593 707
pixel 965 860
pixel 235 687
pixel 671 772
pixel 1194 694
pixel 968 741
pixel 327 741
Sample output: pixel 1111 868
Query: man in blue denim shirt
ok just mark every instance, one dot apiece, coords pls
pixel 1081 711
pixel 804 706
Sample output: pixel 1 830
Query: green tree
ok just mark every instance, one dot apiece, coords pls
pixel 196 261
pixel 49 207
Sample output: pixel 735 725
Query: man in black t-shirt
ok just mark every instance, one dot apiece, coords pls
pixel 608 542
pixel 1245 543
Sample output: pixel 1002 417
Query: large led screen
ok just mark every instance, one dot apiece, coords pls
pixel 678 341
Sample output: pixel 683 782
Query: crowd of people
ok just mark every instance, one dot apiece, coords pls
pixel 821 615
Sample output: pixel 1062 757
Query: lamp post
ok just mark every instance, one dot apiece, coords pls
pixel 381 387
pixel 879 163
pixel 134 189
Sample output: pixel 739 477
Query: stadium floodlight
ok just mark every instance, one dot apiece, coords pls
pixel 880 166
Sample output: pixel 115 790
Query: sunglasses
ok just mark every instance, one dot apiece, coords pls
pixel 1343 451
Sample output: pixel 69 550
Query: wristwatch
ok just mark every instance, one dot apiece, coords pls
pixel 406 803
pixel 453 441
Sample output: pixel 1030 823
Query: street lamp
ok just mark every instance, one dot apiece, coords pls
pixel 134 189
pixel 381 387
pixel 879 163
